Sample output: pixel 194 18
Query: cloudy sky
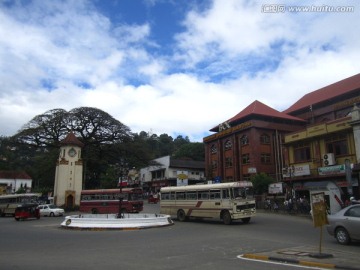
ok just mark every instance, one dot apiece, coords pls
pixel 179 67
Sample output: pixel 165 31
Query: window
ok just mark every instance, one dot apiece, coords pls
pixel 213 149
pixel 228 162
pixel 215 194
pixel 244 140
pixel 214 164
pixel 203 195
pixel 245 158
pixel 265 139
pixel 227 145
pixel 265 158
pixel 302 152
pixel 165 196
pixel 191 195
pixel 353 212
pixel 337 145
pixel 225 194
pixel 180 195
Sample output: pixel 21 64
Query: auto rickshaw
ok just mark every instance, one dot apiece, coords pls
pixel 153 199
pixel 25 211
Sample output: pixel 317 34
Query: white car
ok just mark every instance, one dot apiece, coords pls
pixel 50 210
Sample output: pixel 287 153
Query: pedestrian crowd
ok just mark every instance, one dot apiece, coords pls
pixel 290 205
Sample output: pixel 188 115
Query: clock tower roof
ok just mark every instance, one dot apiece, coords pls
pixel 71 140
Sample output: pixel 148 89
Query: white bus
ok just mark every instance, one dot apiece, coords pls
pixel 8 203
pixel 226 201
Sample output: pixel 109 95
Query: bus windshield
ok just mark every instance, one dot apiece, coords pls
pixel 242 193
pixel 135 196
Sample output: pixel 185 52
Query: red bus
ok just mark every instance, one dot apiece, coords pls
pixel 106 201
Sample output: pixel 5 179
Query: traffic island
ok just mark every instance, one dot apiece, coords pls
pixel 307 256
pixel 112 222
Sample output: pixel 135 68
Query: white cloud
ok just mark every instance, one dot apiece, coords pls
pixel 65 54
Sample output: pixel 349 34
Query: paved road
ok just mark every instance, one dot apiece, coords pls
pixel 41 244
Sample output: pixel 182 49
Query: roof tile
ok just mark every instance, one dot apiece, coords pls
pixel 326 93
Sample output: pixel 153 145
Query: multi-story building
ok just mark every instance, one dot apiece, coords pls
pixel 167 171
pixel 249 143
pixel 327 149
pixel 316 139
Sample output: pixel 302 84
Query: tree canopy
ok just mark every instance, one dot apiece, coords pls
pixel 92 125
pixel 106 140
pixel 261 182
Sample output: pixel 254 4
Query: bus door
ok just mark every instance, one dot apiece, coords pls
pixel 226 198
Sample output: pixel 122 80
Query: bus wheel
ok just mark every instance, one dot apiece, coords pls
pixel 94 211
pixel 226 217
pixel 245 220
pixel 181 215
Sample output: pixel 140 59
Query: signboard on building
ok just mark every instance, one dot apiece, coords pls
pixel 275 188
pixel 182 178
pixel 332 170
pixel 296 170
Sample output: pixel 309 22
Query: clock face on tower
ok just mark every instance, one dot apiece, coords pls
pixel 72 152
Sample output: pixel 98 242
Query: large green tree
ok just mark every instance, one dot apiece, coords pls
pixel 261 182
pixel 194 151
pixel 103 137
pixel 107 142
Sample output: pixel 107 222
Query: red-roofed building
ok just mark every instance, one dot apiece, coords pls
pixel 12 181
pixel 330 102
pixel 329 146
pixel 315 140
pixel 249 143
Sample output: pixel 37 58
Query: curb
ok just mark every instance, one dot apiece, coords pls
pixel 113 229
pixel 299 262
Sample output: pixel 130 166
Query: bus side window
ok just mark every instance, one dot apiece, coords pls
pixel 172 196
pixel 225 194
pixel 214 194
pixel 191 195
pixel 180 195
pixel 165 196
pixel 203 195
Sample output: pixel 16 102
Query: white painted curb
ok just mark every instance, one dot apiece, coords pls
pixel 110 221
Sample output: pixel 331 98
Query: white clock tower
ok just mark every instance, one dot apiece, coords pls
pixel 69 173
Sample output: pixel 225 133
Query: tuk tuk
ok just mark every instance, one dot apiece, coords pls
pixel 153 199
pixel 25 211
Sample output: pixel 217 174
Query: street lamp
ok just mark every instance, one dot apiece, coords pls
pixel 122 171
pixel 289 172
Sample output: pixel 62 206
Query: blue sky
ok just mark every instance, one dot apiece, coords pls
pixel 176 66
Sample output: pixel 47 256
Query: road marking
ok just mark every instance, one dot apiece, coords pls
pixel 264 259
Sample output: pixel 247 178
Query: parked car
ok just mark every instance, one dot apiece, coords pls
pixel 344 225
pixel 51 210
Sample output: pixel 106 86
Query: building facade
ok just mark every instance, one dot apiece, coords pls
pixel 248 143
pixel 315 140
pixel 12 181
pixel 327 148
pixel 166 171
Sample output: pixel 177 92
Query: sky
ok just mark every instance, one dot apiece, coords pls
pixel 178 67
